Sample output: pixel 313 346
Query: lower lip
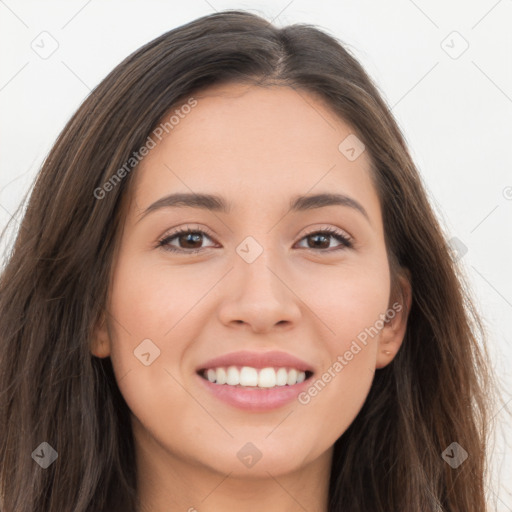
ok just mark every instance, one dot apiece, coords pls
pixel 255 399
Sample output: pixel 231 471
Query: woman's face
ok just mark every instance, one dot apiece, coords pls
pixel 266 288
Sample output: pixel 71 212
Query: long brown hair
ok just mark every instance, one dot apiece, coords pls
pixel 439 389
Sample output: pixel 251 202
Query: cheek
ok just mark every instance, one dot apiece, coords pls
pixel 145 312
pixel 349 300
pixel 335 397
pixel 155 301
pixel 351 308
pixel 145 319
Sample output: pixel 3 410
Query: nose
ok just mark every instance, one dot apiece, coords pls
pixel 258 297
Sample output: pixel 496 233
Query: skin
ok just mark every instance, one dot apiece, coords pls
pixel 257 147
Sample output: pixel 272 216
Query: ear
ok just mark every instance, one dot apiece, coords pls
pixel 393 332
pixel 100 343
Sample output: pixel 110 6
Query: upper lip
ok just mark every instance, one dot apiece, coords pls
pixel 257 360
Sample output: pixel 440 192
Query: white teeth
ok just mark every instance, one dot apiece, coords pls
pixel 252 377
pixel 248 376
pixel 281 377
pixel 233 378
pixel 292 377
pixel 267 378
pixel 222 378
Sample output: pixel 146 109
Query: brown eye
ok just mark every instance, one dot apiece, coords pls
pixel 319 240
pixel 322 240
pixel 189 241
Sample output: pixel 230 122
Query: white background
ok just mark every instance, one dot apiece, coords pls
pixel 454 108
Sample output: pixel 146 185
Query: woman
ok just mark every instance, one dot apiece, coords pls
pixel 313 349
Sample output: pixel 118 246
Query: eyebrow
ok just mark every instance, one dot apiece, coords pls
pixel 219 204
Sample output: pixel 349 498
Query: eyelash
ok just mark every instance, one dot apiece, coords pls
pixel 163 243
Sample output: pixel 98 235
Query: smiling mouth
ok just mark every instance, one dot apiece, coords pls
pixel 249 377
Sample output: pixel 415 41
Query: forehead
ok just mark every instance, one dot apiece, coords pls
pixel 253 145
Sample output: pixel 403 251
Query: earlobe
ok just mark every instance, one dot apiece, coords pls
pixel 393 332
pixel 100 344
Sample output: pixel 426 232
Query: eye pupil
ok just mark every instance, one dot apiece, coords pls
pixel 191 237
pixel 317 236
